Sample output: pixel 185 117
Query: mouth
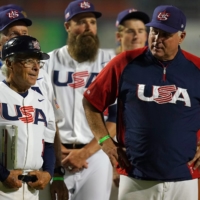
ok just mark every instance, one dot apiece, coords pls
pixel 135 43
pixel 156 47
pixel 33 75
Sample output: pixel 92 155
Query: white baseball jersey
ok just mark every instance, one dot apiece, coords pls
pixel 44 87
pixel 34 117
pixel 70 79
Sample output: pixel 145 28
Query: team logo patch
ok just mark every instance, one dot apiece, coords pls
pixel 132 10
pixel 67 15
pixel 84 5
pixel 163 16
pixel 36 45
pixel 13 14
pixel 56 104
pixel 117 23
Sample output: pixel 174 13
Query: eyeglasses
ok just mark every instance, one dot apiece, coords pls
pixel 29 63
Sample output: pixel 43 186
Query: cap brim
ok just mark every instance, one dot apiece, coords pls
pixel 137 15
pixel 27 21
pixel 44 56
pixel 40 54
pixel 162 26
pixel 97 14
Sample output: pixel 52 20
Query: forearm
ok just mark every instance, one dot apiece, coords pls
pixel 111 126
pixel 95 120
pixel 91 148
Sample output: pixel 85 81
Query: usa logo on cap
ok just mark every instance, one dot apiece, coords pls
pixel 132 10
pixel 163 16
pixel 67 15
pixel 13 14
pixel 36 45
pixel 85 5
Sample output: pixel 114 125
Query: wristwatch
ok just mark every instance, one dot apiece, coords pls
pixel 60 170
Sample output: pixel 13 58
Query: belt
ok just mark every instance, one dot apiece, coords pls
pixel 27 178
pixel 74 146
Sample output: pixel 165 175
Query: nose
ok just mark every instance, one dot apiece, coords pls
pixel 87 26
pixel 159 37
pixel 36 65
pixel 156 36
pixel 135 34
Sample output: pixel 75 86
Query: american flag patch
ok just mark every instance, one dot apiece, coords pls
pixel 56 104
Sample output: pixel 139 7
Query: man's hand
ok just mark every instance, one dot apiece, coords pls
pixel 110 148
pixel 43 179
pixel 12 181
pixel 196 160
pixel 59 188
pixel 115 177
pixel 122 158
pixel 115 153
pixel 75 159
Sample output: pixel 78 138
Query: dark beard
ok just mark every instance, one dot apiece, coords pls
pixel 83 47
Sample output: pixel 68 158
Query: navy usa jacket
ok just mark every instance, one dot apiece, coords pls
pixel 158 111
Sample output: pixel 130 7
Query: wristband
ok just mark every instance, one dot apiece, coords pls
pixel 58 179
pixel 103 139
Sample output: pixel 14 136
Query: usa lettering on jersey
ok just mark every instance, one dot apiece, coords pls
pixel 26 114
pixel 75 79
pixel 165 94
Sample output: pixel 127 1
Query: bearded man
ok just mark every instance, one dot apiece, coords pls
pixel 88 172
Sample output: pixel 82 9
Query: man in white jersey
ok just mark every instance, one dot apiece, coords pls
pixel 14 23
pixel 72 68
pixel 34 117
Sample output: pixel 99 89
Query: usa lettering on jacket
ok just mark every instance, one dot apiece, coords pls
pixel 165 94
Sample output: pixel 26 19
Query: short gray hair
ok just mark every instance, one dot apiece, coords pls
pixel 4 68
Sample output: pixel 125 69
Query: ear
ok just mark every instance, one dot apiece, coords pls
pixel 9 64
pixel 118 37
pixel 67 26
pixel 182 37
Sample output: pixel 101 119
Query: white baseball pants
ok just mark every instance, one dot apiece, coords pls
pixel 131 188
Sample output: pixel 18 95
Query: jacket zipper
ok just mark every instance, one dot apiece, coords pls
pixel 164 77
pixel 164 73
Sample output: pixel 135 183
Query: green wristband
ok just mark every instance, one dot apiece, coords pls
pixel 58 179
pixel 103 139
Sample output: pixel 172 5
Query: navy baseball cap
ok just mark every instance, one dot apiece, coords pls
pixel 130 14
pixel 12 6
pixel 168 18
pixel 10 15
pixel 80 6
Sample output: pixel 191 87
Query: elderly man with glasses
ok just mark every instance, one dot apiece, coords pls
pixel 33 114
